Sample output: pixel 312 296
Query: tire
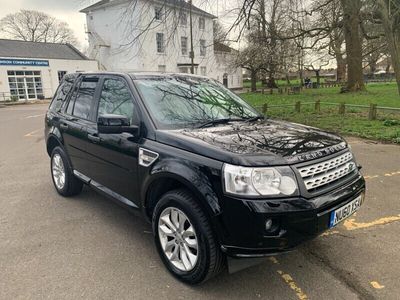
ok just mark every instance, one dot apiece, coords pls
pixel 210 260
pixel 64 180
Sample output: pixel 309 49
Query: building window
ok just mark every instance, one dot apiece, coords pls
pixel 25 85
pixel 203 50
pixel 203 71
pixel 184 45
pixel 202 23
pixel 158 13
pixel 162 68
pixel 61 75
pixel 160 43
pixel 185 70
pixel 183 18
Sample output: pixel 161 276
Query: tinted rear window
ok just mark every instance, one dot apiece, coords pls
pixel 85 97
pixel 62 93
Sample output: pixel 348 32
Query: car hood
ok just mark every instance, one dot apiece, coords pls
pixel 261 143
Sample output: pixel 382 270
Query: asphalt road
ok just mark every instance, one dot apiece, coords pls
pixel 90 248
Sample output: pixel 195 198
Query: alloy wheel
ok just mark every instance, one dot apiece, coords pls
pixel 58 171
pixel 178 239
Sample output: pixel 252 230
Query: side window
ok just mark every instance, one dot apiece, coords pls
pixel 61 94
pixel 116 99
pixel 85 98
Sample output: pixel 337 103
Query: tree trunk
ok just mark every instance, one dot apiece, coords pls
pixel 341 68
pixel 301 78
pixel 253 80
pixel 317 74
pixel 271 82
pixel 351 24
pixel 372 67
pixel 388 68
pixel 393 40
pixel 287 79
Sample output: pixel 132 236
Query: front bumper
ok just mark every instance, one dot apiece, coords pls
pixel 294 221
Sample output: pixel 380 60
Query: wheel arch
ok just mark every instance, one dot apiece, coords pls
pixel 52 142
pixel 54 139
pixel 163 182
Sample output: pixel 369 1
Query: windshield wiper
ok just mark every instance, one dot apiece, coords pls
pixel 253 119
pixel 216 122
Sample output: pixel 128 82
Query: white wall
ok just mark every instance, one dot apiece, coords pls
pixel 112 27
pixel 223 66
pixel 49 74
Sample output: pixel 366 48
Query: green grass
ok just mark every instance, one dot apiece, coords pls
pixel 355 121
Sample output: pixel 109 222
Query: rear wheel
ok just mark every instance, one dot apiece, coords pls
pixel 64 180
pixel 184 238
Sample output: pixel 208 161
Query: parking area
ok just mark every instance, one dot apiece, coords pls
pixel 88 247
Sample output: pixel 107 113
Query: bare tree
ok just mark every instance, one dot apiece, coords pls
pixel 388 12
pixel 220 34
pixel 351 27
pixel 316 63
pixel 269 17
pixel 350 22
pixel 252 59
pixel 35 26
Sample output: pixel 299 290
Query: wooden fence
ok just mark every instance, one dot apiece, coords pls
pixel 342 107
pixel 291 90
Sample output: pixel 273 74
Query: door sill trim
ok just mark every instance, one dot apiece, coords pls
pixel 104 189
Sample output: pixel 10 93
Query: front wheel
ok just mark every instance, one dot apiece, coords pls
pixel 184 238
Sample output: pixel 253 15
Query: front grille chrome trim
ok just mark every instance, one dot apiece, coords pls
pixel 325 166
pixel 318 175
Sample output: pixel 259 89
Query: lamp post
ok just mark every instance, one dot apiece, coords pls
pixel 191 38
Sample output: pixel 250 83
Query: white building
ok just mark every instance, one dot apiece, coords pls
pixel 30 70
pixel 154 36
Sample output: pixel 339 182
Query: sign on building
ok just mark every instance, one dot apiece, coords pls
pixel 23 62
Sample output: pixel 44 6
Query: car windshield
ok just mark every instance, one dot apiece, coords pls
pixel 181 102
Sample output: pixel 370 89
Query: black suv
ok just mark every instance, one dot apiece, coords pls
pixel 214 177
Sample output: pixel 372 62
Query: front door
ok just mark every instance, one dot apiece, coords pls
pixel 113 158
pixel 225 80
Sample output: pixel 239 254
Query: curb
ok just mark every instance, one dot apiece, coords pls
pixel 8 104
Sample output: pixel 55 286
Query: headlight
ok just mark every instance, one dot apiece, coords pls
pixel 277 181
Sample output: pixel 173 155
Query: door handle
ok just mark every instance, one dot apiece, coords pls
pixel 94 138
pixel 64 126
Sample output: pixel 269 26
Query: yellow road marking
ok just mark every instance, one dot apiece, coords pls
pixel 273 260
pixel 31 133
pixel 376 285
pixel 292 284
pixel 371 177
pixel 34 116
pixel 330 233
pixel 395 173
pixel 351 224
pixel 392 174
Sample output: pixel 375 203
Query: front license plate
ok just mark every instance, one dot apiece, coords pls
pixel 345 211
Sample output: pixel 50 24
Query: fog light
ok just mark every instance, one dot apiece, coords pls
pixel 268 224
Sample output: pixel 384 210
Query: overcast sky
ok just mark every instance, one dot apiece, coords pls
pixel 68 10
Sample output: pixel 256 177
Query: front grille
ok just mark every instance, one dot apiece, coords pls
pixel 321 174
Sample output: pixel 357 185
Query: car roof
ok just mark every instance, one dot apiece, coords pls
pixel 145 75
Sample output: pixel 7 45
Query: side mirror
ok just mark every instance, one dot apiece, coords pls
pixel 109 124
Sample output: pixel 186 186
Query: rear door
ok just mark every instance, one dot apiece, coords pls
pixel 113 158
pixel 79 115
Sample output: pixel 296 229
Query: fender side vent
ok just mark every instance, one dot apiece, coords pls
pixel 147 157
